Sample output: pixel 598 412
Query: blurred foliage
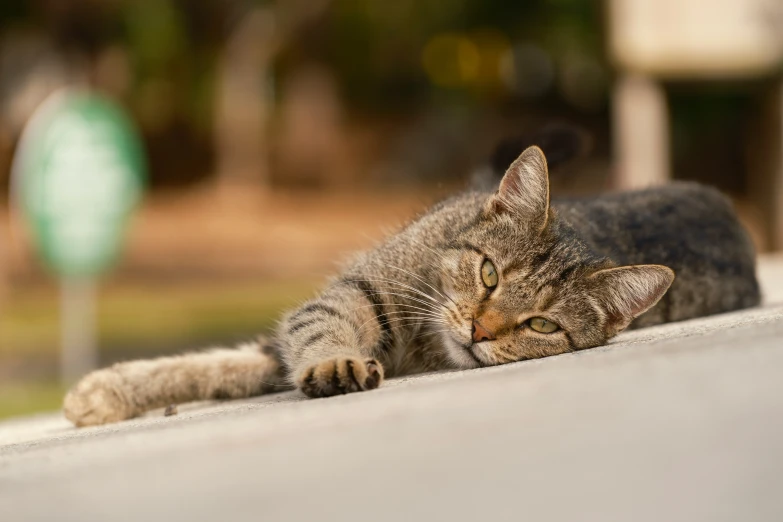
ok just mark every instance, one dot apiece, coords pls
pixel 375 50
pixel 376 47
pixel 24 398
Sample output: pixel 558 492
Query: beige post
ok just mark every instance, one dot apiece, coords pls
pixel 776 207
pixel 641 132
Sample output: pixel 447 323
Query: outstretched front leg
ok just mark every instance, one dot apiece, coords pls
pixel 128 389
pixel 334 344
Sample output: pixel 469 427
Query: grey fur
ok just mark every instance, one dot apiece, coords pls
pixel 593 267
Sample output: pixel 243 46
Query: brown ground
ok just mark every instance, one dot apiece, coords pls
pixel 236 232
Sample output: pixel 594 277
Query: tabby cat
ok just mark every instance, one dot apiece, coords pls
pixel 481 279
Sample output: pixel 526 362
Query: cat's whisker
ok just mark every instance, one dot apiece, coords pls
pixel 406 320
pixel 417 315
pixel 413 316
pixel 405 305
pixel 434 322
pixel 426 314
pixel 423 303
pixel 418 308
pixel 408 309
pixel 423 281
pixel 440 323
pixel 381 292
pixel 438 256
pixel 423 313
pixel 428 306
pixel 398 283
pixel 413 288
pixel 422 317
pixel 430 333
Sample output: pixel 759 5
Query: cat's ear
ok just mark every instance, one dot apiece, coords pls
pixel 524 189
pixel 628 291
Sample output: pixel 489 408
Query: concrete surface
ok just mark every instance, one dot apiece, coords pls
pixel 682 422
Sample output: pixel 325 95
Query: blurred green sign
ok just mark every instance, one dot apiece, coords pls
pixel 78 174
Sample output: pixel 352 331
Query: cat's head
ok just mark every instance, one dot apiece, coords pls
pixel 522 284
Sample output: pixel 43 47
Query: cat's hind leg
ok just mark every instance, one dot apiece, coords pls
pixel 128 389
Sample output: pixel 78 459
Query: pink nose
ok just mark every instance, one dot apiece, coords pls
pixel 481 334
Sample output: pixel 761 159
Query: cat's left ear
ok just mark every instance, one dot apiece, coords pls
pixel 524 189
pixel 628 291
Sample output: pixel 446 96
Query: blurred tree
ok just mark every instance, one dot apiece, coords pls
pixel 182 67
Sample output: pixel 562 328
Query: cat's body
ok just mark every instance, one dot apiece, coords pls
pixel 481 279
pixel 687 227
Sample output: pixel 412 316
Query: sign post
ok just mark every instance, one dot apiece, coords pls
pixel 77 328
pixel 78 173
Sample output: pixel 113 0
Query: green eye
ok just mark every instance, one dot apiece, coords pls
pixel 539 324
pixel 489 275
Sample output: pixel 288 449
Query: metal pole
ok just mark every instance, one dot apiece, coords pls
pixel 77 315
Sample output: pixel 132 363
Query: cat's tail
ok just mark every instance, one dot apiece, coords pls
pixel 561 143
pixel 128 389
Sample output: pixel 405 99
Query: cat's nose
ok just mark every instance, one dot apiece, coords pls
pixel 481 334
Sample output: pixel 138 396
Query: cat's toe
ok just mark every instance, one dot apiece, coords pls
pixel 98 399
pixel 340 375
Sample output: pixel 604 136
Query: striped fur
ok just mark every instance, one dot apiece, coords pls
pixel 415 303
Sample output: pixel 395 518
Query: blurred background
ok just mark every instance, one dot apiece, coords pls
pixel 281 136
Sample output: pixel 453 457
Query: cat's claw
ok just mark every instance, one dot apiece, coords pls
pixel 98 399
pixel 340 375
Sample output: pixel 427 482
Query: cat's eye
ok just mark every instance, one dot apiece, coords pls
pixel 489 274
pixel 539 324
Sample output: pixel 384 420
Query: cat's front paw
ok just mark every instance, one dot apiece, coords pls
pixel 98 398
pixel 340 375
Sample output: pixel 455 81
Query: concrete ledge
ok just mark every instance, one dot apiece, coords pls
pixel 677 422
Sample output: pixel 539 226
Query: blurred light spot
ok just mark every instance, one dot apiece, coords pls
pixel 583 82
pixel 451 60
pixel 527 70
pixel 492 45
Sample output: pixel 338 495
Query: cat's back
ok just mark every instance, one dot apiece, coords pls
pixel 688 227
pixel 677 223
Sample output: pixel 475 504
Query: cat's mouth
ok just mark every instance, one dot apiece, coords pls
pixel 469 349
pixel 464 353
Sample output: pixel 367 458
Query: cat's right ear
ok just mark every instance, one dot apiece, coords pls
pixel 627 292
pixel 524 189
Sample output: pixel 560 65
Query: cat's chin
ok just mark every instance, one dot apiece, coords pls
pixel 463 355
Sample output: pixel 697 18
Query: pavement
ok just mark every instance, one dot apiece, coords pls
pixel 680 422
